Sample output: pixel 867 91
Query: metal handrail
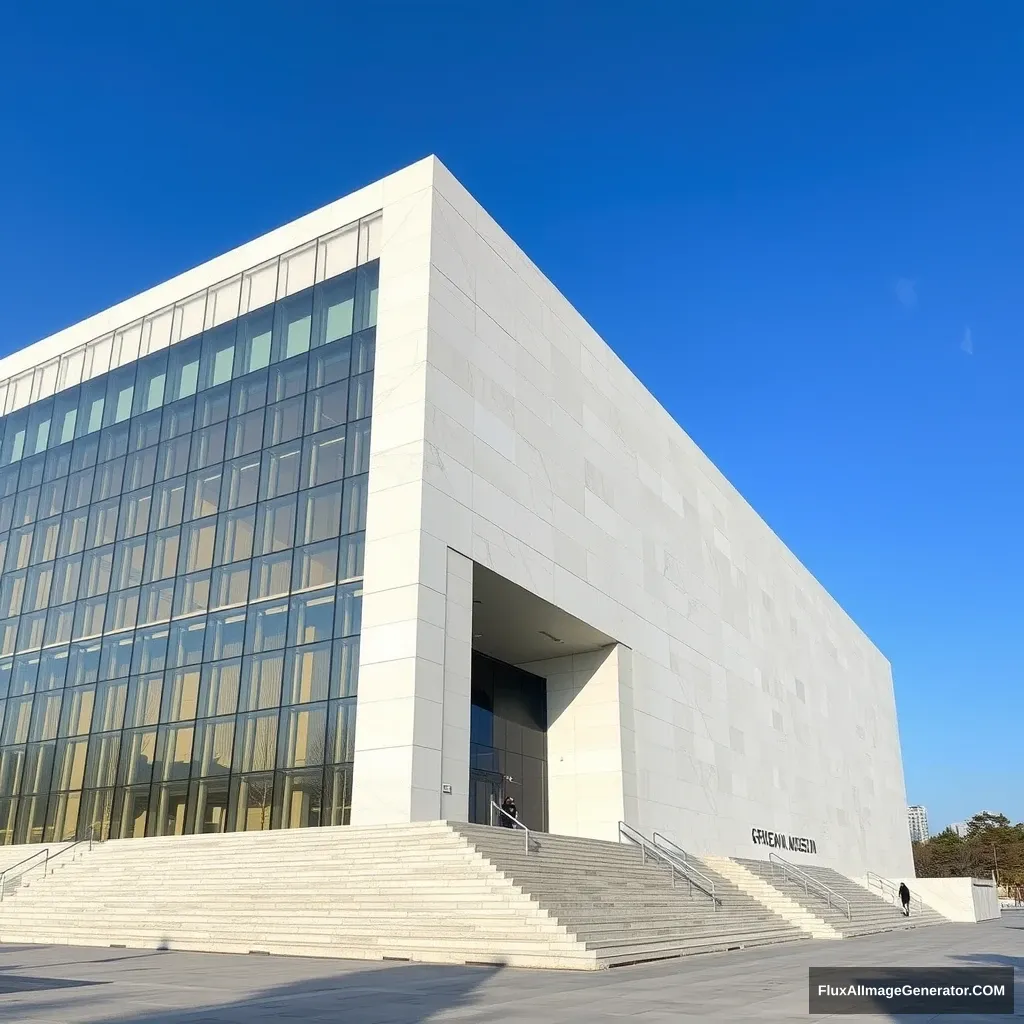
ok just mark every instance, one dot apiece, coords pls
pixel 24 860
pixel 890 888
pixel 516 823
pixel 647 847
pixel 47 860
pixel 706 885
pixel 809 882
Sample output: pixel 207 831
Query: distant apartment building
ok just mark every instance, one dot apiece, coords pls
pixel 918 817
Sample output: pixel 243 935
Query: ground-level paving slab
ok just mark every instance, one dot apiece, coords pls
pixel 76 985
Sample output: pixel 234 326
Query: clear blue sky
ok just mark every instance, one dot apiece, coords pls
pixel 799 223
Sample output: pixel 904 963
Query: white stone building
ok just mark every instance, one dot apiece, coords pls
pixel 528 503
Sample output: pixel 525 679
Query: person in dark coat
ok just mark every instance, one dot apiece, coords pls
pixel 508 805
pixel 905 898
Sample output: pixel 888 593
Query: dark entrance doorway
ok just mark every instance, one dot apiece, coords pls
pixel 508 742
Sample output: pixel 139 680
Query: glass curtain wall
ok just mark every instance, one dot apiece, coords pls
pixel 181 543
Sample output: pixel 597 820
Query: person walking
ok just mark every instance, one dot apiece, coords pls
pixel 905 898
pixel 509 818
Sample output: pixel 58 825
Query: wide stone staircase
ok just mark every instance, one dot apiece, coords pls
pixel 622 905
pixel 869 912
pixel 431 892
pixel 408 892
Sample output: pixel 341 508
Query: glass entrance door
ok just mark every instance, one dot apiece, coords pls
pixel 483 788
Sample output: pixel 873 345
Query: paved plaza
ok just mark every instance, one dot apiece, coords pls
pixel 73 985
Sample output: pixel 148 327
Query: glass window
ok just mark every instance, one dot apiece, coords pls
pixel 284 421
pixel 303 735
pixel 364 347
pixel 151 384
pixel 53 668
pixel 39 422
pixel 143 706
pixel 321 512
pixel 116 659
pixel 90 409
pixel 267 626
pixel 89 615
pixel 145 431
pixel 249 393
pixel 185 646
pixel 65 415
pixel 261 681
pixel 312 617
pixel 353 513
pixel 334 305
pixel 324 457
pixel 241 481
pixel 24 674
pixel 203 496
pixel 342 731
pixel 51 497
pixel 73 531
pixel 315 565
pixel 173 752
pixel 76 714
pixel 134 518
pixel 96 569
pixel 218 355
pixel 275 525
pixel 172 457
pixel 280 473
pixel 183 369
pixel 79 489
pixel 101 766
pixel 197 545
pixel 192 593
pixel 178 419
pixel 360 396
pixel 256 741
pixel 108 480
pixel 37 587
pixel 84 452
pixel 111 701
pixel 225 635
pixel 208 445
pixel 59 622
pixel 218 693
pixel 114 441
pixel 17 720
pixel 12 593
pixel 349 609
pixel 120 389
pixel 307 674
pixel 235 535
pixel 366 295
pixel 103 522
pixel 84 662
pixel 292 324
pixel 58 464
pixel 138 752
pixel 31 630
pixel 230 586
pixel 250 801
pixel 150 654
pixel 345 668
pixel 254 337
pixel 330 364
pixel 358 455
pixel 213 406
pixel 26 507
pixel 287 380
pixel 44 543
pixel 140 469
pixel 155 603
pixel 245 434
pixel 169 503
pixel 129 558
pixel 181 695
pixel 270 575
pixel 214 740
pixel 327 407
pixel 162 554
pixel 123 610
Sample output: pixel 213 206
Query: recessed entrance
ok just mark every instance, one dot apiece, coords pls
pixel 508 742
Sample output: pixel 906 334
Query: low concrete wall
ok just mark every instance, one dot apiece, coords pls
pixel 959 899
